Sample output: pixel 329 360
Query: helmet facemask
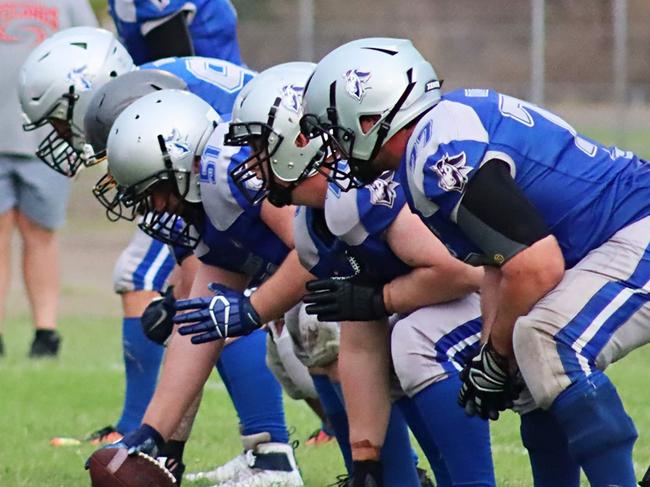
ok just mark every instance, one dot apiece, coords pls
pixel 131 202
pixel 254 177
pixel 57 149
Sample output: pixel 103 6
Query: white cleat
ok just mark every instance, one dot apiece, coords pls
pixel 223 473
pixel 269 465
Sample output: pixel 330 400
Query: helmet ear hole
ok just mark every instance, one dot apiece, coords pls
pixel 367 122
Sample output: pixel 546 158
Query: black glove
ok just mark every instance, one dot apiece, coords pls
pixel 645 482
pixel 345 300
pixel 156 320
pixel 488 386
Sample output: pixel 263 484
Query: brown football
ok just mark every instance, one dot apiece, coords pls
pixel 114 467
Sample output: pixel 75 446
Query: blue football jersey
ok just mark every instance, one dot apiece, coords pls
pixel 352 224
pixel 583 190
pixel 234 236
pixel 212 25
pixel 215 81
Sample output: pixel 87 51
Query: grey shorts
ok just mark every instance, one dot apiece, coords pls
pixel 37 191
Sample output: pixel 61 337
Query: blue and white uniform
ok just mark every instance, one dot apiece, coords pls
pixel 428 346
pixel 592 197
pixel 352 227
pixel 234 237
pixel 596 202
pixel 212 25
pixel 146 263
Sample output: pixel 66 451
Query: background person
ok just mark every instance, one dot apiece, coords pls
pixel 33 198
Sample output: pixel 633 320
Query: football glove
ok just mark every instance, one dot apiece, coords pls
pixel 145 440
pixel 226 314
pixel 488 387
pixel 345 300
pixel 156 319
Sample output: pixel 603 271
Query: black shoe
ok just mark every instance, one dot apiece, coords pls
pixel 176 468
pixel 424 479
pixel 367 473
pixel 46 344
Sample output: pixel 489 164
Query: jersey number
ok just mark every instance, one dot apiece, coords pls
pixel 228 77
pixel 519 110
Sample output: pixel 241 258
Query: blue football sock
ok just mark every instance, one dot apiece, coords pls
pixel 396 453
pixel 600 434
pixel 447 424
pixel 142 359
pixel 335 411
pixel 255 392
pixel 548 450
pixel 418 425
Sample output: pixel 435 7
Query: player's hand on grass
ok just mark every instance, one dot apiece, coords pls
pixel 345 300
pixel 488 385
pixel 156 319
pixel 226 314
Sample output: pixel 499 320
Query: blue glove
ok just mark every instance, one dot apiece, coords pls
pixel 144 440
pixel 226 314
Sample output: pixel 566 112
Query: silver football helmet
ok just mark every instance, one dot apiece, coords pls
pixel 384 78
pixel 56 84
pixel 158 139
pixel 266 117
pixel 105 106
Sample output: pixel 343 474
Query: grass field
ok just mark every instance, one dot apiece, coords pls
pixel 82 390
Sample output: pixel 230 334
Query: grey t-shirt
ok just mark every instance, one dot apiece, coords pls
pixel 23 25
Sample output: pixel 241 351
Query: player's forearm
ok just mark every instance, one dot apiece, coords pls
pixel 425 286
pixel 525 279
pixel 283 290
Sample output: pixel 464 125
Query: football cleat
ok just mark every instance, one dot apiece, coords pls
pixel 270 465
pixel 319 437
pixel 104 436
pixel 228 471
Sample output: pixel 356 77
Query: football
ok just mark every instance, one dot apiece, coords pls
pixel 114 467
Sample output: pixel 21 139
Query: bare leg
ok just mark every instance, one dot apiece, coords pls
pixel 187 366
pixel 7 223
pixel 364 372
pixel 40 271
pixel 134 302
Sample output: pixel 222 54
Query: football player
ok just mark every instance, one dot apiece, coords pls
pixel 95 56
pixel 239 244
pixel 56 86
pixel 375 258
pixel 561 221
pixel 155 29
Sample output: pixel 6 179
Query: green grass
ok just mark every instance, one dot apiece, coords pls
pixel 82 391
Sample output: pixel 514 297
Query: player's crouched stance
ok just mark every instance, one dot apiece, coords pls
pixel 562 222
pixel 373 247
pixel 154 159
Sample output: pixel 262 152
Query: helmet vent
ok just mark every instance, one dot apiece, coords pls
pixel 113 74
pixel 137 117
pixel 83 45
pixel 390 52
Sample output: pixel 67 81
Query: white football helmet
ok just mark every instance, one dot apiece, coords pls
pixel 157 138
pixel 56 84
pixel 266 117
pixel 377 77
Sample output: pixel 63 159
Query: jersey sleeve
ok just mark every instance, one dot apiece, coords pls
pixel 443 160
pixel 355 215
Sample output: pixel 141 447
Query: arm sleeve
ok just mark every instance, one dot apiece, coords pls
pixel 82 14
pixel 497 216
pixel 170 38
